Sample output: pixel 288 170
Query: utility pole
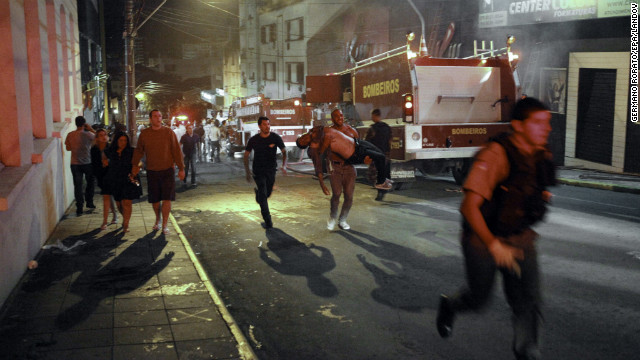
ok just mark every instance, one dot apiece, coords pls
pixel 129 67
pixel 103 43
pixel 423 43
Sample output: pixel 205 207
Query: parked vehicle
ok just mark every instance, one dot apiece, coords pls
pixel 289 118
pixel 441 110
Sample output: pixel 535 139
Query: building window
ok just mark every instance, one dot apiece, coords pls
pixel 295 73
pixel 268 34
pixel 269 72
pixel 295 29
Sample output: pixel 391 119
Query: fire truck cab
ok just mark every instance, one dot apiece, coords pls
pixel 440 110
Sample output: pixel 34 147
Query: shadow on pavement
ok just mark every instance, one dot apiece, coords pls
pixel 408 280
pixel 68 255
pixel 298 259
pixel 126 272
pixel 80 260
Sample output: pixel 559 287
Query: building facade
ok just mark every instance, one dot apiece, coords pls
pixel 575 57
pixel 41 95
pixel 92 67
pixel 273 44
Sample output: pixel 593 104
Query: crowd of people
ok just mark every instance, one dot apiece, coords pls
pixel 505 193
pixel 104 155
pixel 212 138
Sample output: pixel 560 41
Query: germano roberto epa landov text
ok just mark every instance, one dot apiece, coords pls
pixel 634 62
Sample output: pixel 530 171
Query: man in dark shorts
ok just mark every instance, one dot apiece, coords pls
pixel 162 150
pixel 264 149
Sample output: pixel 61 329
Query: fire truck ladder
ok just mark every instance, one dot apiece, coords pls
pixel 527 83
pixel 483 52
pixel 374 59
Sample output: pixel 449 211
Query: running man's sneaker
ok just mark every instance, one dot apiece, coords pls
pixel 383 186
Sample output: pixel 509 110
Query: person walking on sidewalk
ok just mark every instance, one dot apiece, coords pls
pixel 79 143
pixel 189 143
pixel 124 187
pixel 214 141
pixel 162 150
pixel 100 164
pixel 379 134
pixel 264 146
pixel 199 130
pixel 505 194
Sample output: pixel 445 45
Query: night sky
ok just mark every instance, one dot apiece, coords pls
pixel 175 23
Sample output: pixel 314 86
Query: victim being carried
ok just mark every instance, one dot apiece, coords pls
pixel 351 150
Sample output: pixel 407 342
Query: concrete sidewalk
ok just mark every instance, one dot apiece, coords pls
pixel 628 183
pixel 108 295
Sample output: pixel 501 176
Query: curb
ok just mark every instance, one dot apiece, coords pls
pixel 601 186
pixel 245 350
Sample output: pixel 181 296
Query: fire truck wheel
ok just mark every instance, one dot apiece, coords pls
pixel 432 167
pixel 402 185
pixel 460 171
pixel 293 153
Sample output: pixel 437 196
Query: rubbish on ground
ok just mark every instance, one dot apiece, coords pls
pixel 61 246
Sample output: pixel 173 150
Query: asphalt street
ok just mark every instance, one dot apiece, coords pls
pixel 301 292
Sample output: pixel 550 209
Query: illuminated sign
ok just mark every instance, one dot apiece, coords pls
pixel 494 13
pixel 283 111
pixel 381 88
pixel 248 110
pixel 469 131
pixel 403 174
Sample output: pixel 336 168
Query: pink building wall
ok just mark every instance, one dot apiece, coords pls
pixel 40 86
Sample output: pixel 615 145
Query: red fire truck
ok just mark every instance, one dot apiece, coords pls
pixel 289 118
pixel 440 110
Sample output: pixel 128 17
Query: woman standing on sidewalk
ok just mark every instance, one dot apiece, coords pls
pixel 123 187
pixel 100 164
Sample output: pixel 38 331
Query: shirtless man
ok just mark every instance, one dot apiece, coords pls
pixel 350 150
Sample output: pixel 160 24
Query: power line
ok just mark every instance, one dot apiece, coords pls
pixel 217 8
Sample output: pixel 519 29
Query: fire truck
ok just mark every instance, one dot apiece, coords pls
pixel 440 110
pixel 289 118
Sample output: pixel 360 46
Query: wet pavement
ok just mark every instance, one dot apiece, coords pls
pixel 110 295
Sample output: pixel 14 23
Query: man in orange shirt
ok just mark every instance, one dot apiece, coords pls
pixel 162 149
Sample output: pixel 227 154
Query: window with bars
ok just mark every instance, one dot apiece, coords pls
pixel 295 73
pixel 295 29
pixel 269 71
pixel 268 34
